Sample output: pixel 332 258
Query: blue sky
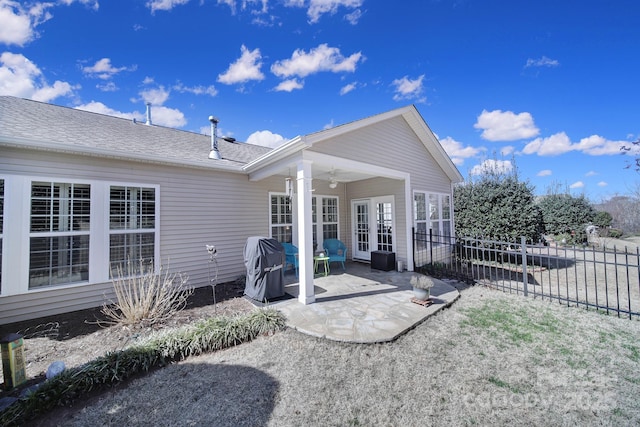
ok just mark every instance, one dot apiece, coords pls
pixel 552 86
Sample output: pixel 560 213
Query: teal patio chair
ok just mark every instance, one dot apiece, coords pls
pixel 291 256
pixel 336 251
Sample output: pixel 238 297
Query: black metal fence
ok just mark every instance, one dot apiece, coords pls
pixel 598 276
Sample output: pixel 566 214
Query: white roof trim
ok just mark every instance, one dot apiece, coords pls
pixel 409 113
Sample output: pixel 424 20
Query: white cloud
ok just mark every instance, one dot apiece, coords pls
pixel 317 8
pixel 196 90
pixel 501 125
pixel 22 78
pixel 545 172
pixel 18 22
pixel 103 69
pixel 321 58
pixel 560 143
pixel 602 184
pixel 507 150
pixel 577 184
pixel 100 108
pixel 493 166
pixel 348 88
pixel 289 85
pixel 553 145
pixel 93 4
pixel 596 145
pixel 165 116
pixel 161 116
pixel 246 68
pixel 19 19
pixel 156 96
pixel 407 89
pixel 457 151
pixel 164 4
pixel 354 17
pixel 266 139
pixel 107 87
pixel 591 173
pixel 542 62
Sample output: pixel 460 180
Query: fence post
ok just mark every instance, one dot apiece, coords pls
pixel 431 246
pixel 525 278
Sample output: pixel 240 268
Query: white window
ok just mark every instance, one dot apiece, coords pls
pixel 329 218
pixel 132 223
pixel 432 211
pixel 281 218
pixel 59 233
pixel 384 221
pixel 325 224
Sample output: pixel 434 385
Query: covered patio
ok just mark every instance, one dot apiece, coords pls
pixel 361 305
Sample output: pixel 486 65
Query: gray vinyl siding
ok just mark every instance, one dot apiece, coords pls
pixel 394 145
pixel 197 207
pixel 383 187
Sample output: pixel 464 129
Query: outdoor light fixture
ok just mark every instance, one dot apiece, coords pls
pixel 333 183
pixel 288 187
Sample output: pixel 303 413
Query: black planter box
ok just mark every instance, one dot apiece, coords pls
pixel 383 260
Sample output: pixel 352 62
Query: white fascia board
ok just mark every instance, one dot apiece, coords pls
pixel 282 152
pixel 275 167
pixel 354 165
pixel 109 154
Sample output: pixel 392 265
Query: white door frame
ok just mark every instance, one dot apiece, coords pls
pixel 372 225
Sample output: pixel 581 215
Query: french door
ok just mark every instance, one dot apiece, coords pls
pixel 373 226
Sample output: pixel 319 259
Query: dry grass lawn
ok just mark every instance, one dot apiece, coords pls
pixel 492 358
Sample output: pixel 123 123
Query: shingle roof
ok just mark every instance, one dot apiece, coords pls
pixel 39 125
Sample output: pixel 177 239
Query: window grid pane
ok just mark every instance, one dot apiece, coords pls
pixel 62 209
pixel 58 260
pixel 281 219
pixel 384 213
pixel 131 209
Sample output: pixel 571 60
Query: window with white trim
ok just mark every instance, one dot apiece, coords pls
pixel 132 228
pixel 432 211
pixel 329 218
pixel 325 223
pixel 59 233
pixel 281 218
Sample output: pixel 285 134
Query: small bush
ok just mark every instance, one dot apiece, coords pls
pixel 146 298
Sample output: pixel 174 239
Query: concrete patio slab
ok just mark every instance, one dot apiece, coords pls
pixel 361 305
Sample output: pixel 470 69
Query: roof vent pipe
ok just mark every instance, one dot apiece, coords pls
pixel 149 113
pixel 214 153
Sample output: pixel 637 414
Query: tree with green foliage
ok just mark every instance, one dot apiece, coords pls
pixel 602 219
pixel 497 205
pixel 566 215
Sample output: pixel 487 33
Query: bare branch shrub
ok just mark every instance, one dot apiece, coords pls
pixel 145 298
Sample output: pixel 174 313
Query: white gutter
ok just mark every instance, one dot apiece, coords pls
pixel 290 147
pixel 30 144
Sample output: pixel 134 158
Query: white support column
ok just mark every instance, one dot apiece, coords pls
pixel 305 232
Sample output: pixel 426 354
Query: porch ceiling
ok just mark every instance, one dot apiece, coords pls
pixel 323 172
